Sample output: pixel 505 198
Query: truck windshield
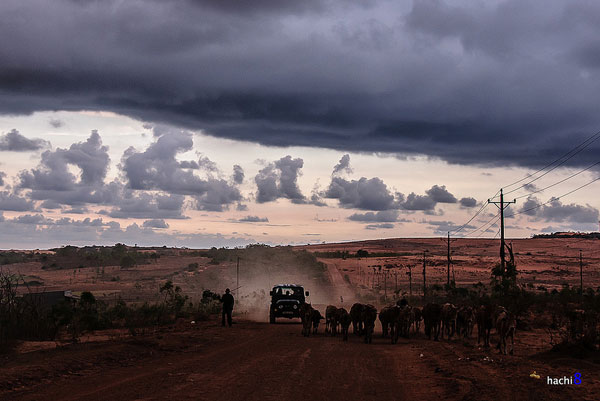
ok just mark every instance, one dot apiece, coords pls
pixel 288 291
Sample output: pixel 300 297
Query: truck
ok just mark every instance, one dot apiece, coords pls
pixel 286 300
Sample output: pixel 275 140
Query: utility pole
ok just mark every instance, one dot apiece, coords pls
pixel 424 280
pixel 385 285
pixel 410 280
pixel 581 274
pixel 502 205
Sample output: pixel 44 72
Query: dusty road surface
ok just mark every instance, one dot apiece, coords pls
pixel 259 361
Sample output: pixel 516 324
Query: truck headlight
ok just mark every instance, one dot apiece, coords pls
pixel 280 306
pixel 295 306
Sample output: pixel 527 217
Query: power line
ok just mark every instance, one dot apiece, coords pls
pixel 577 149
pixel 559 182
pixel 555 198
pixel 483 206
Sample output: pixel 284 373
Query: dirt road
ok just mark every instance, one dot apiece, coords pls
pixel 258 361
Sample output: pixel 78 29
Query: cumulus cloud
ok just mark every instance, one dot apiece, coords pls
pixel 440 194
pixel 419 202
pixel 155 223
pixel 2 176
pixel 381 216
pixel 56 123
pixel 468 202
pixel 280 180
pixel 253 219
pixel 366 194
pixel 238 174
pixel 143 205
pixel 13 202
pixel 53 180
pixel 379 226
pixel 556 211
pixel 443 227
pixel 15 142
pixel 343 165
pixel 156 168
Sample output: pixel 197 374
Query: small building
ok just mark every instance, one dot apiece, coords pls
pixel 48 299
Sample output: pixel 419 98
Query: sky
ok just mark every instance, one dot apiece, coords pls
pixel 224 122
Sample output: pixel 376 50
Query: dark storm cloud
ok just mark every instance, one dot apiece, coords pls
pixel 499 82
pixel 558 212
pixel 13 141
pixel 280 180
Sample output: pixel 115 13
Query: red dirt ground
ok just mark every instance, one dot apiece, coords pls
pixel 258 361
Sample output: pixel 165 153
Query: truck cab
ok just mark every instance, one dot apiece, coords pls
pixel 286 300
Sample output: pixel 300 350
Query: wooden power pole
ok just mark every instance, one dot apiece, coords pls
pixel 502 205
pixel 424 280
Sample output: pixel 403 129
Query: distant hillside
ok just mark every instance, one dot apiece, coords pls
pixel 569 234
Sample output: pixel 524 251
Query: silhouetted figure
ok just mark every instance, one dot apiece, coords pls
pixel 228 301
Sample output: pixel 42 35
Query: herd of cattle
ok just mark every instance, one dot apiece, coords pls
pixel 397 320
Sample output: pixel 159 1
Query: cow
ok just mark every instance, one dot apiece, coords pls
pixel 343 318
pixel 385 317
pixel 306 312
pixel 356 316
pixel 506 325
pixel 316 319
pixel 464 321
pixel 331 320
pixel 368 316
pixel 404 320
pixel 448 320
pixel 485 321
pixel 418 318
pixel 432 314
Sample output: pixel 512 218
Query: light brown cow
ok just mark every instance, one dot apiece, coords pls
pixel 464 321
pixel 506 325
pixel 306 312
pixel 448 320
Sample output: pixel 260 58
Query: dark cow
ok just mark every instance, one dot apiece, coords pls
pixel 506 325
pixel 464 321
pixel 368 316
pixel 403 321
pixel 418 318
pixel 432 315
pixel 356 316
pixel 448 320
pixel 386 319
pixel 485 322
pixel 331 320
pixel 316 319
pixel 343 318
pixel 306 312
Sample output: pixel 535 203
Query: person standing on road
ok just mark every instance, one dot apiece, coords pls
pixel 227 300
